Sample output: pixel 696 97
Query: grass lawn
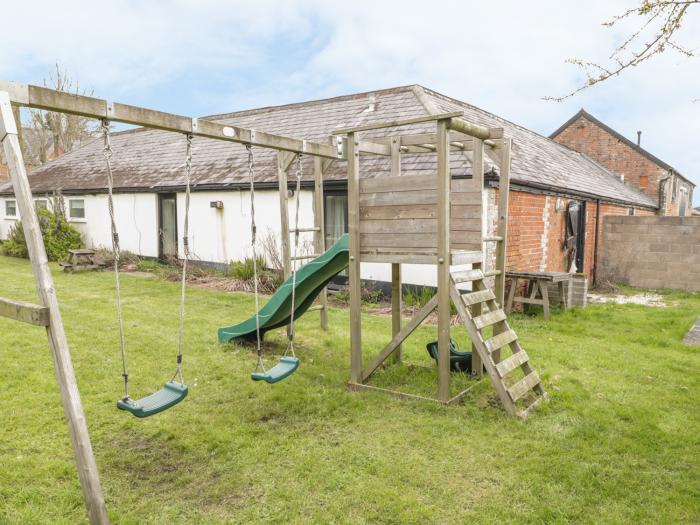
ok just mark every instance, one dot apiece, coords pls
pixel 619 441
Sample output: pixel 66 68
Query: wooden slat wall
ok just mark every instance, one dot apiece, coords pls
pixel 399 215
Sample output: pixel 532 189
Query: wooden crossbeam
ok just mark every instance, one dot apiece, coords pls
pixel 24 312
pixel 397 123
pixel 51 100
pixel 400 337
pixel 474 130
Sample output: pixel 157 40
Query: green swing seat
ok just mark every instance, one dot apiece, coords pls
pixel 170 395
pixel 280 371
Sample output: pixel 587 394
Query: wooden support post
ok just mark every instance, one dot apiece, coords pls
pixel 354 258
pixel 320 233
pixel 70 396
pixel 478 181
pixel 502 225
pixel 396 299
pixel 283 161
pixel 502 233
pixel 443 249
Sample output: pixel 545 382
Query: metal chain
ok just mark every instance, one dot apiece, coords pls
pixel 253 233
pixel 186 253
pixel 290 338
pixel 107 152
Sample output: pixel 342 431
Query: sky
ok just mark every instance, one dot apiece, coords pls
pixel 202 57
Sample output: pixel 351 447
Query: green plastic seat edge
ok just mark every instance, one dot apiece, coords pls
pixel 133 406
pixel 286 367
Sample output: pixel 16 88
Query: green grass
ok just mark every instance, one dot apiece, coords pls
pixel 619 442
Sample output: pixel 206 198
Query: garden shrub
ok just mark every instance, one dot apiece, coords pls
pixel 59 237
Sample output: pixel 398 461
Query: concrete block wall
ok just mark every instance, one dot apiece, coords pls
pixel 652 252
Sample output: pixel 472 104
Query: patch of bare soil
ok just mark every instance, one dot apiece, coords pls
pixel 645 299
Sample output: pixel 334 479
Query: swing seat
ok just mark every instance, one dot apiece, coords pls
pixel 280 371
pixel 170 395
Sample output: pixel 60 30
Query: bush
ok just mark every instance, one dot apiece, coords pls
pixel 59 237
pixel 419 298
pixel 243 270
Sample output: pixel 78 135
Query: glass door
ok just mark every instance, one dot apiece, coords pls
pixel 167 225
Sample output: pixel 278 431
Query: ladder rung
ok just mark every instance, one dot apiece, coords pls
pixel 492 273
pixel 304 257
pixel 511 363
pixel 523 386
pixel 493 239
pixel 305 230
pixel 466 276
pixel 482 296
pixel 489 318
pixel 460 257
pixel 500 340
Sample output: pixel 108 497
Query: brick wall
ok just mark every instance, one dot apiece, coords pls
pixel 617 156
pixel 652 252
pixel 537 231
pixel 4 174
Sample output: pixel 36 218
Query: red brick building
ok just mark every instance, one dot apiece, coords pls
pixel 632 163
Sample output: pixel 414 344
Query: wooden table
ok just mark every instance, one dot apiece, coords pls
pixel 537 292
pixel 82 259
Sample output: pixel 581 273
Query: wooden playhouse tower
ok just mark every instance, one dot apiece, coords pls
pixel 438 220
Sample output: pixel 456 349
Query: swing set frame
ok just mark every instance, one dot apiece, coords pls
pixel 347 147
pixel 47 313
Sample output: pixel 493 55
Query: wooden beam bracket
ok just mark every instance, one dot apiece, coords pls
pixel 24 312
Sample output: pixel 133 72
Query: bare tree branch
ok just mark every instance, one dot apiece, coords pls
pixel 59 132
pixel 662 20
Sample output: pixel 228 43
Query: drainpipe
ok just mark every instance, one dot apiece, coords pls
pixel 595 245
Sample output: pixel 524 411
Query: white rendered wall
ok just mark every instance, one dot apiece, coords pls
pixel 216 235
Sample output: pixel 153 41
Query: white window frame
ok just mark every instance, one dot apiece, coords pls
pixel 70 211
pixel 40 199
pixel 11 217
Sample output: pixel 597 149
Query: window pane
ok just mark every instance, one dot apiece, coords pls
pixel 76 208
pixel 10 208
pixel 41 204
pixel 336 213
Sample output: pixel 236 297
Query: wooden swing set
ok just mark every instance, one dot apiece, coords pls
pixel 418 219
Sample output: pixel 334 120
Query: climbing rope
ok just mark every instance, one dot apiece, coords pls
pixel 107 152
pixel 186 253
pixel 253 230
pixel 290 336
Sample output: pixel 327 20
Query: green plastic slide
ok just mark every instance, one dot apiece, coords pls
pixel 310 280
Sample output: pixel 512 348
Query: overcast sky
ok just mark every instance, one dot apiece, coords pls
pixel 203 57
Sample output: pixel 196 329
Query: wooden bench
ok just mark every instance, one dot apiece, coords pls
pixel 537 291
pixel 81 259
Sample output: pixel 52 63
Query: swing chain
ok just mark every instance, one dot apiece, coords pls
pixel 290 337
pixel 253 232
pixel 186 253
pixel 107 152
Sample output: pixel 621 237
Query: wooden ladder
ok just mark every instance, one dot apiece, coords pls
pixel 512 391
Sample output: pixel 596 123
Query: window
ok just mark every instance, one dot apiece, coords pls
pixel 11 209
pixel 76 208
pixel 41 204
pixel 336 217
pixel 630 211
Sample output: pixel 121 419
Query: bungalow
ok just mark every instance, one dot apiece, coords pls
pixel 557 198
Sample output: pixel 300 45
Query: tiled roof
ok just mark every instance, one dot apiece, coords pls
pixel 145 158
